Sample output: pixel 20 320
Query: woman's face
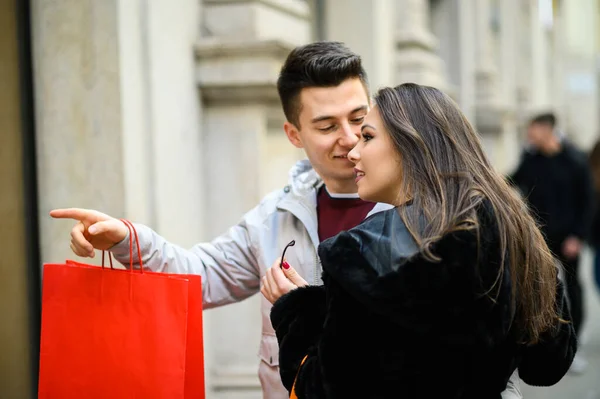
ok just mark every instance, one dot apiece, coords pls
pixel 378 166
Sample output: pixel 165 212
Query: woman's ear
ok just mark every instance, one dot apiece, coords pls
pixel 293 134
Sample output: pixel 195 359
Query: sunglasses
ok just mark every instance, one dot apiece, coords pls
pixel 290 244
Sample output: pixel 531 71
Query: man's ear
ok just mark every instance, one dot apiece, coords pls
pixel 293 134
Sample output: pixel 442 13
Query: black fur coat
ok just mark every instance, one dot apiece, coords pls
pixel 389 324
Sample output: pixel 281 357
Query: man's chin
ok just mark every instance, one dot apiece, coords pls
pixel 349 180
pixel 343 161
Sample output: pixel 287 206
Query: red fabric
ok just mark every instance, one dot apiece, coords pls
pixel 120 334
pixel 339 214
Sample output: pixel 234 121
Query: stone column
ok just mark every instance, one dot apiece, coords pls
pixel 370 36
pixel 239 55
pixel 416 46
pixel 117 114
pixel 161 122
pixel 78 114
pixel 452 24
pixel 579 20
pixel 486 72
pixel 510 144
pixel 540 61
pixel 559 49
pixel 490 112
pixel 524 70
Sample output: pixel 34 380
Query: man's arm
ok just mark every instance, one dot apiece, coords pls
pixel 513 388
pixel 585 202
pixel 516 179
pixel 228 265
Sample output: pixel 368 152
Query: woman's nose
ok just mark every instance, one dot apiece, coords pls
pixel 354 155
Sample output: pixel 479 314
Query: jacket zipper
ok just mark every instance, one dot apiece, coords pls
pixel 317 264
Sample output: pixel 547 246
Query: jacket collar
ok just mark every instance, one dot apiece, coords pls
pixel 301 201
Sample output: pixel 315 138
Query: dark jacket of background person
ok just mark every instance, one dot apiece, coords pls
pixel 594 162
pixel 392 324
pixel 560 191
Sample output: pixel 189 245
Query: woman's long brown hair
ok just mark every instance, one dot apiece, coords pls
pixel 448 175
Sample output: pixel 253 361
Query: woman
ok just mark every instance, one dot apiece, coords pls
pixel 443 296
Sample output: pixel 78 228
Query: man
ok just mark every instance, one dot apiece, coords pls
pixel 555 178
pixel 324 93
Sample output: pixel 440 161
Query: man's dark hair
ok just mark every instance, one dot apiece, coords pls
pixel 319 64
pixel 548 119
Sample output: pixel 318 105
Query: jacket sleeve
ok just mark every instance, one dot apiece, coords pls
pixel 513 388
pixel 585 202
pixel 516 179
pixel 228 265
pixel 546 362
pixel 298 319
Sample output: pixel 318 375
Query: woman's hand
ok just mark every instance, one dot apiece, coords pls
pixel 279 280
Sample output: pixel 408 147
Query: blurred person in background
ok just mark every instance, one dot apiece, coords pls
pixel 595 230
pixel 555 178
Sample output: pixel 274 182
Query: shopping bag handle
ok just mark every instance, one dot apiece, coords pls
pixel 132 233
pixel 109 259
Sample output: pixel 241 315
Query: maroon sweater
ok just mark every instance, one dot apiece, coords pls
pixel 339 213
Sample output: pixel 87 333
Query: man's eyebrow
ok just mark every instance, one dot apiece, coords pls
pixel 367 125
pixel 326 117
pixel 361 108
pixel 321 118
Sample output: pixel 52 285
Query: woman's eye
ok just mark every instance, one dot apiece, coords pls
pixel 366 136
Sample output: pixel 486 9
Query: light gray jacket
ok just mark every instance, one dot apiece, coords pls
pixel 233 264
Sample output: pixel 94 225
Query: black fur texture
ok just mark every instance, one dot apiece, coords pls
pixel 390 324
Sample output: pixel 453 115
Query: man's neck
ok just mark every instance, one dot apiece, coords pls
pixel 340 186
pixel 338 195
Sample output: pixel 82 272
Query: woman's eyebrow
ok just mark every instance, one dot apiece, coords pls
pixel 366 125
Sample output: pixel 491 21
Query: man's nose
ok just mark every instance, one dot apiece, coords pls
pixel 350 135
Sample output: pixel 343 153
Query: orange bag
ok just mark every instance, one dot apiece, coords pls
pixel 293 392
pixel 120 333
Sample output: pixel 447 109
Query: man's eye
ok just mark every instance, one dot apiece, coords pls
pixel 358 120
pixel 326 129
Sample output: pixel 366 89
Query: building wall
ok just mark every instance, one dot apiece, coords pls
pixel 166 112
pixel 15 322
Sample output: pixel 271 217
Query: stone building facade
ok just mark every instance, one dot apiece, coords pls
pixel 165 111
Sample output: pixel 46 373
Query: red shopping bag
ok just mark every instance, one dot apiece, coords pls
pixel 120 333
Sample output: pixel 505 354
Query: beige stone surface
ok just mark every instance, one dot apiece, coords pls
pixel 15 358
pixel 78 114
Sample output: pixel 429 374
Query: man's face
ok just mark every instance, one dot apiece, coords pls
pixel 330 121
pixel 539 134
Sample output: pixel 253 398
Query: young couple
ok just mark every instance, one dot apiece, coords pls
pixel 444 290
